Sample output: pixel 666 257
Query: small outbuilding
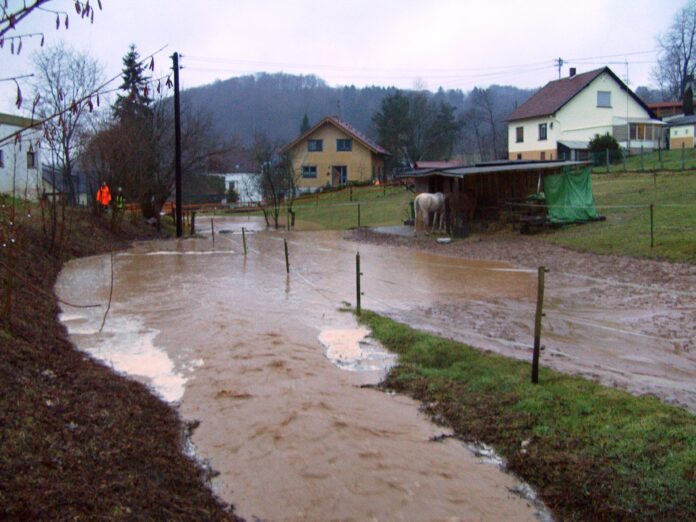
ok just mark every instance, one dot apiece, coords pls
pixel 484 191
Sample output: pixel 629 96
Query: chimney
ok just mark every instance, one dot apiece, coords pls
pixel 572 72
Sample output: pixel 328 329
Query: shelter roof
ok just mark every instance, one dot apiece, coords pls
pixel 345 127
pixel 554 95
pixel 490 168
pixel 574 145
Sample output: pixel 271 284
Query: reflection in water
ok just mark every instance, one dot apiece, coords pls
pixel 352 350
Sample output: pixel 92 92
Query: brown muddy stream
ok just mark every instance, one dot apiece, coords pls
pixel 272 368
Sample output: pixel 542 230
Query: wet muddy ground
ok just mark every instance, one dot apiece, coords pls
pixel 623 321
pixel 273 370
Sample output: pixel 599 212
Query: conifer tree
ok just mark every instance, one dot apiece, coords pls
pixel 304 127
pixel 136 100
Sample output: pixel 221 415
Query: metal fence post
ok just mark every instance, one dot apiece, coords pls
pixel 244 240
pixel 358 215
pixel 607 159
pixel 682 155
pixel 642 166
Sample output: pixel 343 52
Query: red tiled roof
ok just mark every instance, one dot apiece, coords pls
pixel 344 126
pixel 554 95
pixel 665 105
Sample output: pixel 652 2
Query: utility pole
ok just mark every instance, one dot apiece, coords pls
pixel 559 64
pixel 628 122
pixel 177 146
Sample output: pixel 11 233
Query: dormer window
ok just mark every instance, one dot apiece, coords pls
pixel 604 99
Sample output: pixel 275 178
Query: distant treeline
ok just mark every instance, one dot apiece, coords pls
pixel 275 104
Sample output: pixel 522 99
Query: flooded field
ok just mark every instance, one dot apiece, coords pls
pixel 272 368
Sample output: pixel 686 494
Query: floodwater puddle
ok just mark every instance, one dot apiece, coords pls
pixel 262 358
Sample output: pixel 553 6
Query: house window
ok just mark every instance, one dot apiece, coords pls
pixel 344 145
pixel 542 131
pixel 604 99
pixel 31 159
pixel 315 145
pixel 519 133
pixel 519 156
pixel 309 171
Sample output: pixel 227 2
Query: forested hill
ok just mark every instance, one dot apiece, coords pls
pixel 275 104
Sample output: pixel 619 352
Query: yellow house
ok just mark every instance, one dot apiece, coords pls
pixel 334 153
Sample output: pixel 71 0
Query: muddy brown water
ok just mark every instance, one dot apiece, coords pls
pixel 272 368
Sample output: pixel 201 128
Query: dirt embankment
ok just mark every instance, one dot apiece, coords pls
pixel 78 441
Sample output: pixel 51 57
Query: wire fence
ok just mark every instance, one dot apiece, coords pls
pixel 643 160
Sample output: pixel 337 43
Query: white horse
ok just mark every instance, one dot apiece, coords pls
pixel 426 203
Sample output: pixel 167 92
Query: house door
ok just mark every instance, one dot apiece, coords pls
pixel 340 175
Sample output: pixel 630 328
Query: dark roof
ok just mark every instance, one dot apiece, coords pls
pixel 554 95
pixel 490 168
pixel 344 126
pixel 438 164
pixel 682 120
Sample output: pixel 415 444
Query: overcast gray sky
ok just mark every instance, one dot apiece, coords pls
pixel 448 43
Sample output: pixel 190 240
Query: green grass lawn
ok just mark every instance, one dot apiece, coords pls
pixel 671 160
pixel 338 210
pixel 593 452
pixel 627 230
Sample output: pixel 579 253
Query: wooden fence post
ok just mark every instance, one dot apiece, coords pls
pixel 652 226
pixel 607 159
pixel 537 324
pixel 212 229
pixel 358 215
pixel 682 155
pixel 193 222
pixel 287 259
pixel 244 240
pixel 358 293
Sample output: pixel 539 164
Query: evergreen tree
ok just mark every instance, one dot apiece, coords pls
pixel 136 100
pixel 305 124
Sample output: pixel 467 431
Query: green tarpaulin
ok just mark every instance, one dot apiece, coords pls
pixel 569 197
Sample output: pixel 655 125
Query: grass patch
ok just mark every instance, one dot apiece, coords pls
pixel 627 230
pixel 592 452
pixel 338 210
pixel 671 160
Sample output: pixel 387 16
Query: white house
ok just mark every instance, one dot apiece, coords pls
pixel 560 119
pixel 20 159
pixel 245 184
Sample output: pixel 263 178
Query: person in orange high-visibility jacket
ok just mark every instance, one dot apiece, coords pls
pixel 104 196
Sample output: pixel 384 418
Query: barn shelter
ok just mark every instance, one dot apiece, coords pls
pixel 482 192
